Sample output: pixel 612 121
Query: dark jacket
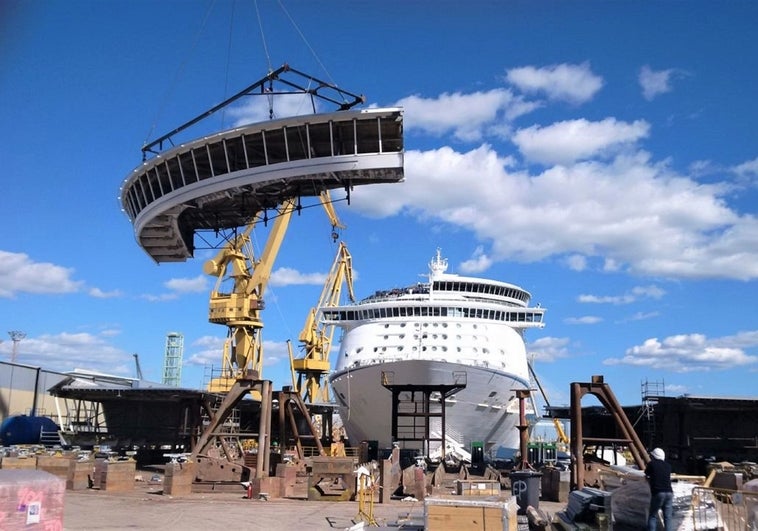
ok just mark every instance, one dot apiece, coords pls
pixel 658 474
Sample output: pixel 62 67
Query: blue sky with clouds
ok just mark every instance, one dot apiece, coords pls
pixel 601 155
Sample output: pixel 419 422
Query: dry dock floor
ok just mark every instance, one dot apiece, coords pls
pixel 149 509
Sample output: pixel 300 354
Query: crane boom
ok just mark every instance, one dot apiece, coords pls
pixel 316 339
pixel 562 437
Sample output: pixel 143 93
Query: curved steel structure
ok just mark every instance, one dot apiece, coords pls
pixel 222 180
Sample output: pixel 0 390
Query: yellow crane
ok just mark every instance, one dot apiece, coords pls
pixel 316 338
pixel 240 308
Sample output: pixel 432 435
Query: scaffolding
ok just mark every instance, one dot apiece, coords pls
pixel 172 359
pixel 651 392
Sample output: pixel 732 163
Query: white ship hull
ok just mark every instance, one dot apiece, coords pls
pixel 457 336
pixel 490 357
pixel 476 413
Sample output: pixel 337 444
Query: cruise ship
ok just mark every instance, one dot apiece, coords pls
pixel 457 340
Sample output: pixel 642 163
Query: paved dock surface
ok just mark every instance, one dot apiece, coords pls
pixel 146 508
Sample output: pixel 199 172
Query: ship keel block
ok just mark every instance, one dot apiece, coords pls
pixel 221 180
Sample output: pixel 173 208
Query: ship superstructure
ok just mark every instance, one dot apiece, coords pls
pixel 465 334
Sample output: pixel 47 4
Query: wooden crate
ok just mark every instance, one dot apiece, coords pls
pixel 117 476
pixel 467 514
pixel 19 463
pixel 57 465
pixel 477 488
pixel 178 479
pixel 80 474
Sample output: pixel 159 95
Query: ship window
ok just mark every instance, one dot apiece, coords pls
pixel 386 337
pixel 402 336
pixel 400 348
pixel 358 350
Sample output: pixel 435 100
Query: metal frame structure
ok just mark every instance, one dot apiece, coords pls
pixel 404 411
pixel 603 393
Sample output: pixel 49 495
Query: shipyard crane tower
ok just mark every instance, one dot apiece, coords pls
pixel 223 181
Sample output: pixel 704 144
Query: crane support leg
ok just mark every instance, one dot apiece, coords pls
pixel 206 450
pixel 603 393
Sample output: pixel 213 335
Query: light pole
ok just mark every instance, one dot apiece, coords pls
pixel 16 337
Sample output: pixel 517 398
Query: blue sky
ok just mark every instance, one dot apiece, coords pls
pixel 602 155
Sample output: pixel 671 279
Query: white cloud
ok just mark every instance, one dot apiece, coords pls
pixel 654 83
pixel 643 316
pixel 747 169
pixel 548 349
pixel 466 116
pixel 285 276
pixel 691 352
pixel 564 82
pixel 198 284
pixel 180 286
pixel 66 351
pixel 572 140
pixel 628 213
pixel 587 319
pixel 100 294
pixel 477 263
pixel 635 294
pixel 576 262
pixel 20 274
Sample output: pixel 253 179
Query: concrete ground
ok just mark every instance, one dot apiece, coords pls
pixel 147 508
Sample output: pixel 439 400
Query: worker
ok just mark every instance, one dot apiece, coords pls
pixel 658 474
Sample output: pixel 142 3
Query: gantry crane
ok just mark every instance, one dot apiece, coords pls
pixel 315 338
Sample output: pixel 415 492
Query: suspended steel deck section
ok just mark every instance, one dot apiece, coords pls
pixel 220 181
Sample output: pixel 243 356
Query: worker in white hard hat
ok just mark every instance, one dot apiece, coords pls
pixel 658 474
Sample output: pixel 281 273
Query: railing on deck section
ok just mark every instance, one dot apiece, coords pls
pixel 312 451
pixel 724 509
